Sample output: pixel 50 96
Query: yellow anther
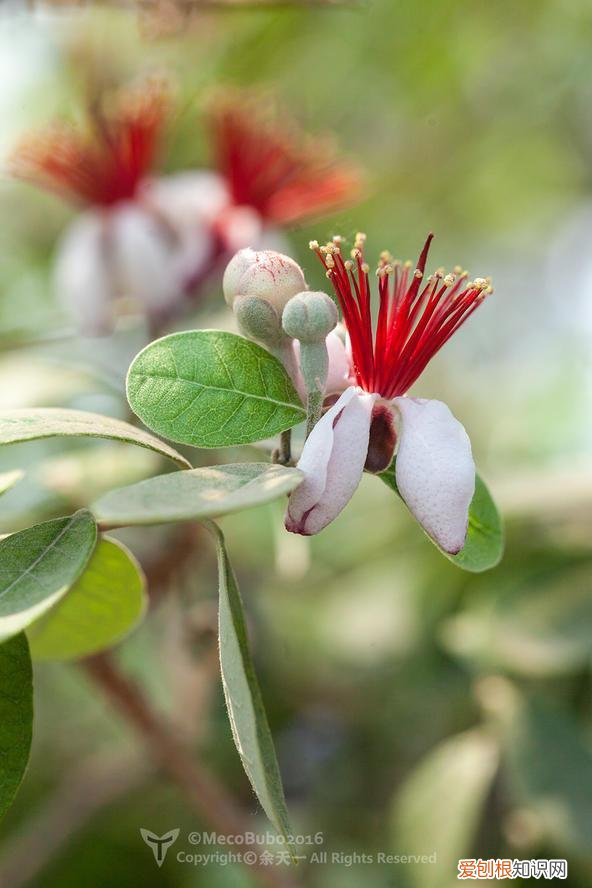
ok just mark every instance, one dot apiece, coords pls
pixel 365 267
pixel 356 253
pixel 313 245
pixel 329 272
pixel 360 239
pixel 408 263
pixel 457 269
pixel 329 261
pixel 388 268
pixel 337 239
pixel 449 280
pixel 385 256
pixel 418 274
pixel 348 264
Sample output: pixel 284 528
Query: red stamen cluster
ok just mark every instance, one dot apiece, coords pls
pixel 414 321
pixel 271 166
pixel 106 164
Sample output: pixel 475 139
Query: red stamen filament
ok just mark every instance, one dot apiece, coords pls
pixel 414 320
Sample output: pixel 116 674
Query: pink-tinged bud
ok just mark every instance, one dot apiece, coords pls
pixel 263 274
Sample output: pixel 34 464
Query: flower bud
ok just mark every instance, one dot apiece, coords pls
pixel 309 317
pixel 263 274
pixel 258 320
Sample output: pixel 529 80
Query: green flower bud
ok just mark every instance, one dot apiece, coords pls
pixel 258 320
pixel 309 317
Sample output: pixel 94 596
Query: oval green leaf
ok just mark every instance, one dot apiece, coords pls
pixel 437 812
pixel 484 544
pixel 38 566
pixel 16 716
pixel 195 495
pixel 246 711
pixel 55 422
pixel 106 603
pixel 212 389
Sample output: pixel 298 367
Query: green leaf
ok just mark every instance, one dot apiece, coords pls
pixel 212 389
pixel 16 716
pixel 534 623
pixel 438 809
pixel 55 422
pixel 9 479
pixel 549 767
pixel 484 545
pixel 101 608
pixel 246 712
pixel 195 495
pixel 38 566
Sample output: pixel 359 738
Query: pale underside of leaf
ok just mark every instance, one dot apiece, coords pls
pixel 196 494
pixel 9 479
pixel 54 422
pixel 100 609
pixel 246 711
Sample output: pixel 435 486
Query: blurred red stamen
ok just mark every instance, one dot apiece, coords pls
pixel 106 163
pixel 272 167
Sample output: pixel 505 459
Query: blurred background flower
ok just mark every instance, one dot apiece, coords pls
pixel 417 709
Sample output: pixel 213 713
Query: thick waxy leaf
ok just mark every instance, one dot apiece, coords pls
pixel 39 565
pixel 437 811
pixel 248 720
pixel 55 422
pixel 484 545
pixel 212 389
pixel 197 494
pixel 16 716
pixel 106 602
pixel 9 479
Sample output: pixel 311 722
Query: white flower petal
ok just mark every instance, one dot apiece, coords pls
pixel 340 370
pixel 82 279
pixel 188 198
pixel 435 471
pixel 332 462
pixel 145 258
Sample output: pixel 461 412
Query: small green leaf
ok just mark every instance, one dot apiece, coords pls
pixel 195 495
pixel 107 601
pixel 246 711
pixel 55 422
pixel 9 479
pixel 212 389
pixel 438 809
pixel 16 716
pixel 39 565
pixel 484 545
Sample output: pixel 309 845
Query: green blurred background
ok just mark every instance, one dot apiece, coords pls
pixel 416 709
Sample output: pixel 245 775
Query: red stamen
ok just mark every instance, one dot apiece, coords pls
pixel 414 322
pixel 107 163
pixel 272 167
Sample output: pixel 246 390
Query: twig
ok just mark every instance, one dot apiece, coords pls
pixel 207 797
